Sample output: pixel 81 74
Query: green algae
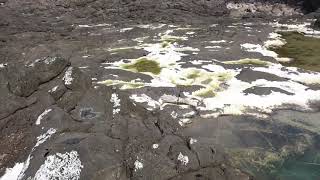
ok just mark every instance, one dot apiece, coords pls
pixel 260 161
pixel 131 85
pixel 124 84
pixel 165 44
pixel 205 93
pixel 305 51
pixel 223 76
pixel 193 74
pixel 261 164
pixel 286 164
pixel 210 81
pixel 249 62
pixel 144 65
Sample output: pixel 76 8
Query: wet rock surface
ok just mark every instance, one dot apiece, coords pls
pixel 317 24
pixel 219 107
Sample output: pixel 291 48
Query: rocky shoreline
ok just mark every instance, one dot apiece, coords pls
pixel 144 89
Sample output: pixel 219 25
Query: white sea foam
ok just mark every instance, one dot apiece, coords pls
pixel 41 116
pixel 183 159
pixel 115 100
pixel 60 166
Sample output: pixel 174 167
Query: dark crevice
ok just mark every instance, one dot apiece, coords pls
pixel 194 152
pixel 158 126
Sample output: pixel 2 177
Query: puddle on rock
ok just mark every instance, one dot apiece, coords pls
pixel 303 50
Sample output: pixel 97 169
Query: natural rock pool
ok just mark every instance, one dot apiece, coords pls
pixel 90 91
pixel 302 49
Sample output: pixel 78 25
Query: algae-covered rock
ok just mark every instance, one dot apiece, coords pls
pixel 144 65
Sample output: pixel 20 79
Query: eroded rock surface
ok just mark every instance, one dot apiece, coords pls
pixel 218 106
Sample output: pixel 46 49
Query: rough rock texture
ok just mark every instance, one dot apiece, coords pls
pixel 167 10
pixel 110 145
pixel 23 83
pixel 52 54
pixel 317 24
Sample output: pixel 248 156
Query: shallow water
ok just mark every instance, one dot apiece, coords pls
pixel 306 167
pixel 305 51
pixel 303 167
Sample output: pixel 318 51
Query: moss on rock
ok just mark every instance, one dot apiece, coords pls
pixel 144 65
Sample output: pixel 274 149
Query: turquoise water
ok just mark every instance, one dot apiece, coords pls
pixel 306 167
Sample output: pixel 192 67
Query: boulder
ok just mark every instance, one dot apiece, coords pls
pixel 49 67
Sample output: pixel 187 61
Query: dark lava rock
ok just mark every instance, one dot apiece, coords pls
pixel 100 155
pixel 265 90
pixel 57 91
pixel 49 67
pixel 95 105
pixel 110 144
pixel 77 83
pixel 178 153
pixel 207 153
pixel 156 167
pixel 58 119
pixel 23 80
pixel 75 80
pixel 3 22
pixel 249 75
pixel 69 100
pixel 10 103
